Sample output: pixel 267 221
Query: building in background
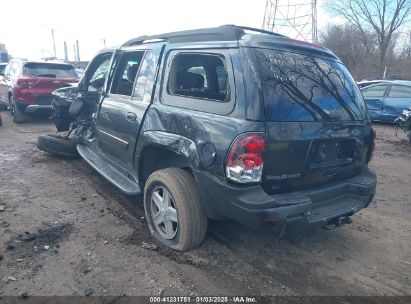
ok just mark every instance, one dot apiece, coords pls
pixel 4 55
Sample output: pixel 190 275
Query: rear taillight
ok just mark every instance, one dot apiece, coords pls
pixel 244 163
pixel 25 82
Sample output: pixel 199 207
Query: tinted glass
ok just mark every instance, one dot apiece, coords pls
pixel 201 76
pixel 299 87
pixel 2 68
pixel 49 70
pixel 374 91
pixel 400 91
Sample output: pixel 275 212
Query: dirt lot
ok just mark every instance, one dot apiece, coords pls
pixel 66 231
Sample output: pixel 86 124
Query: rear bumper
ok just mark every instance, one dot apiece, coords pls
pixel 291 212
pixel 40 105
pixel 34 108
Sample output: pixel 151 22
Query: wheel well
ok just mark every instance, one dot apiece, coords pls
pixel 155 158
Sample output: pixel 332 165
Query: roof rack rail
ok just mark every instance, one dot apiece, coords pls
pixel 222 33
pixel 253 29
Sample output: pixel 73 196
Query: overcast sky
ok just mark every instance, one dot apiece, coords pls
pixel 26 27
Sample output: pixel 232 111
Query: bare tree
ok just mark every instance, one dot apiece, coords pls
pixel 383 17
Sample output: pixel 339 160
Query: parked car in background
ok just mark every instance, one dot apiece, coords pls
pixel 3 104
pixel 366 83
pixel 2 67
pixel 26 86
pixel 385 101
pixel 80 72
pixel 222 123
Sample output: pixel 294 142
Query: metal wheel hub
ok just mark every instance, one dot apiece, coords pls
pixel 164 213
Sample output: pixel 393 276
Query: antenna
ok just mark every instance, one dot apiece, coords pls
pixel 295 19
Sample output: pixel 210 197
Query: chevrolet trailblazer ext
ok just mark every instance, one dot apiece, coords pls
pixel 226 122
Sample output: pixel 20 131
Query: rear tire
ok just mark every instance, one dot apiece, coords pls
pixel 18 116
pixel 57 145
pixel 191 227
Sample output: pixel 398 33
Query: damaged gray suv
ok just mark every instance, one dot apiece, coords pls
pixel 222 123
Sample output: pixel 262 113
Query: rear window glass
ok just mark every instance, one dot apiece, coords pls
pixel 299 87
pixel 49 70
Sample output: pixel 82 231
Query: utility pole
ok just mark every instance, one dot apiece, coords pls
pixel 54 43
pixel 104 42
pixel 74 52
pixel 65 51
pixel 78 51
pixel 314 21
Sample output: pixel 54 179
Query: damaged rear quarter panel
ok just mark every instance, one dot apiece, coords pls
pixel 185 132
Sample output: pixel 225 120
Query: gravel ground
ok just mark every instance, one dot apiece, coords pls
pixel 65 231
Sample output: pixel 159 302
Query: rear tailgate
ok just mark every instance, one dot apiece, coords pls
pixel 317 128
pixel 40 80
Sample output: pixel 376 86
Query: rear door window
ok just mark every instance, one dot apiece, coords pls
pixel 299 87
pixel 375 91
pixel 49 70
pixel 400 91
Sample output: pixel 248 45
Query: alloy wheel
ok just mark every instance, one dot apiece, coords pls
pixel 164 213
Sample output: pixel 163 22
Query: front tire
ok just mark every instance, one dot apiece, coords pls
pixel 173 209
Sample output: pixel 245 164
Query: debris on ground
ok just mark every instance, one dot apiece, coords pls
pixel 3 208
pixel 24 295
pixel 88 292
pixel 10 247
pixel 4 224
pixel 149 246
pixel 7 279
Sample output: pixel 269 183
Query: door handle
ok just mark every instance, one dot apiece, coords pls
pixel 131 116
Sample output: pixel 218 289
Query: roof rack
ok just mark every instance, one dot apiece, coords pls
pixel 221 33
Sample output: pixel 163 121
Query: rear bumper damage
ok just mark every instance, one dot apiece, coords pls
pixel 292 212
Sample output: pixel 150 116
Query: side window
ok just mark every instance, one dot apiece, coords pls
pixel 374 91
pixel 202 76
pixel 147 71
pixel 99 76
pixel 126 72
pixel 400 91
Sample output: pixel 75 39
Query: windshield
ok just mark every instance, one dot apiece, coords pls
pixel 299 87
pixel 49 70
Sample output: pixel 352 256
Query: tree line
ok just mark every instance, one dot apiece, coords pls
pixel 373 42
